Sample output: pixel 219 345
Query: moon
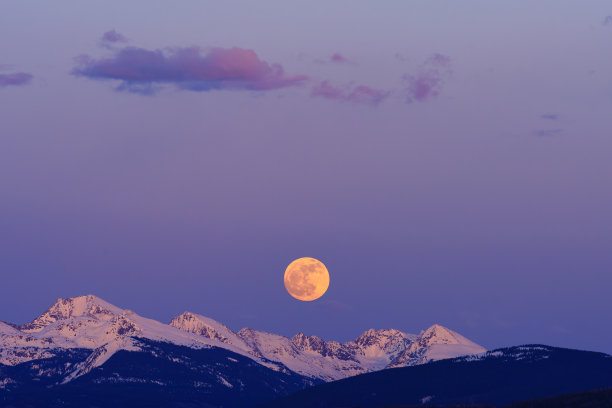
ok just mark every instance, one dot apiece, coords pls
pixel 306 279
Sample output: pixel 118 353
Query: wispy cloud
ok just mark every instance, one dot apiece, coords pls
pixel 144 71
pixel 113 36
pixel 427 82
pixel 338 58
pixel 607 21
pixel 548 132
pixel 15 79
pixel 356 94
pixel 549 116
pixel 335 58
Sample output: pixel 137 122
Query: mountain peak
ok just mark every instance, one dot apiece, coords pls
pixel 381 337
pixel 204 326
pixel 304 342
pixel 80 306
pixel 438 334
pixel 436 343
pixel 301 335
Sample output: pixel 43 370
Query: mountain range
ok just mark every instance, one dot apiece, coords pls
pixel 88 322
pixel 84 352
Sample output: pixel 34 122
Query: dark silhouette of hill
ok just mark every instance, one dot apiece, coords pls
pixel 498 378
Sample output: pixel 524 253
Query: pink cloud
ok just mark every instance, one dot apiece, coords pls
pixel 358 94
pixel 15 79
pixel 338 58
pixel 428 81
pixel 335 58
pixel 113 36
pixel 143 71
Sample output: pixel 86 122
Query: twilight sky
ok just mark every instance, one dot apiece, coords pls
pixel 449 162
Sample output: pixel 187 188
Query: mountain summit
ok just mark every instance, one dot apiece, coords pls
pixel 63 309
pixel 435 343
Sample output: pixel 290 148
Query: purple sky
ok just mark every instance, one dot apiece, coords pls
pixel 449 162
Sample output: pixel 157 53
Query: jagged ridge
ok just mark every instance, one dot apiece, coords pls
pixel 88 322
pixel 330 360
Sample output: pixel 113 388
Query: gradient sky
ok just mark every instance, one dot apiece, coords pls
pixel 449 162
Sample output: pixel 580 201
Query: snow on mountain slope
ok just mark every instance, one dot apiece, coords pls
pixel 8 330
pixel 100 355
pixel 437 334
pixel 307 355
pixel 308 362
pixel 63 309
pixel 305 360
pixel 91 323
pixel 330 360
pixel 88 322
pixel 377 348
pixel 16 347
pixel 208 328
pixel 263 345
pixel 436 343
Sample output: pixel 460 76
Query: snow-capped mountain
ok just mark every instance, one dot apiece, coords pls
pixel 88 322
pixel 314 357
pixel 207 328
pixel 435 343
pixel 84 352
pixel 307 361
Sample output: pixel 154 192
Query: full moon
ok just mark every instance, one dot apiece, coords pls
pixel 306 279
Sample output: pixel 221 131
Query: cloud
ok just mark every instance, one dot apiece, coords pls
pixel 113 36
pixel 15 79
pixel 146 71
pixel 428 81
pixel 549 116
pixel 338 58
pixel 607 21
pixel 357 94
pixel 335 58
pixel 548 132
